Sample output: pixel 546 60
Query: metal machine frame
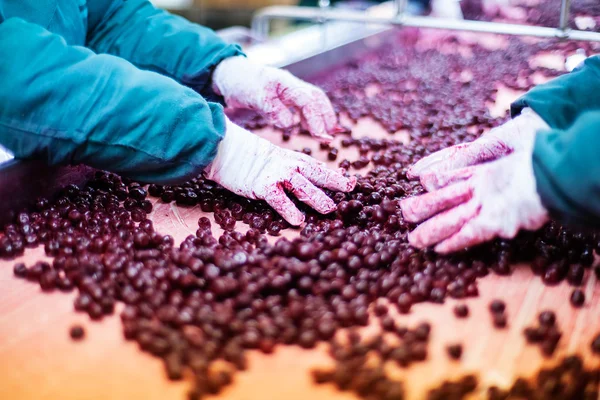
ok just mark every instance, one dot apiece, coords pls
pixel 262 20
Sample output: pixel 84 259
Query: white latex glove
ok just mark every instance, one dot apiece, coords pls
pixel 496 200
pixel 575 60
pixel 5 154
pixel 255 168
pixel 273 92
pixel 459 162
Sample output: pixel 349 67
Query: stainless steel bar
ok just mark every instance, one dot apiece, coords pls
pixel 400 6
pixel 565 12
pixel 323 5
pixel 261 24
pixel 262 18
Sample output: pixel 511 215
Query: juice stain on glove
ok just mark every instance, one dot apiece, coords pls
pixel 478 190
pixel 497 200
pixel 439 168
pixel 255 168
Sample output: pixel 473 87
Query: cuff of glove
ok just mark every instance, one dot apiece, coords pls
pixel 526 118
pixel 241 148
pixel 237 142
pixel 202 82
pixel 530 122
pixel 226 69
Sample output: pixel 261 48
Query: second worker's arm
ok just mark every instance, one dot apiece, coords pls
pixel 67 105
pixel 546 161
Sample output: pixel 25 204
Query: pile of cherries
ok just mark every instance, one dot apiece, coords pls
pixel 211 299
pixel 360 363
pixel 548 14
pixel 567 380
pixel 541 13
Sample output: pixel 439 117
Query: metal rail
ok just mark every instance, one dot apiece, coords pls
pixel 565 12
pixel 400 6
pixel 262 19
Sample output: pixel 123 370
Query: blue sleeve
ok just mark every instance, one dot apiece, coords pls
pixel 562 100
pixel 155 40
pixel 68 105
pixel 566 164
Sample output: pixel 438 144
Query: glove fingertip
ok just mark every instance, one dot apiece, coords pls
pixel 352 181
pixel 419 170
pixel 329 207
pixel 430 182
pixel 283 123
pixel 414 172
pixel 292 215
pixel 442 248
pixel 340 129
pixel 330 118
pixel 406 210
pixel 325 138
pixel 446 247
pixel 296 220
pixel 414 240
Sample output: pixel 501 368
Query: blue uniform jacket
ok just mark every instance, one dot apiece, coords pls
pixel 114 84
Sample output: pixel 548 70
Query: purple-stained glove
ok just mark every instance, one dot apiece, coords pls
pixel 253 167
pixel 274 93
pixel 478 190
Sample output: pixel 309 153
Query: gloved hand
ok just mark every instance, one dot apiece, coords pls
pixel 497 199
pixel 272 92
pixel 440 169
pixel 253 167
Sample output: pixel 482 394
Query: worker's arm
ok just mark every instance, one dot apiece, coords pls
pixel 155 40
pixel 479 190
pixel 69 105
pixel 544 160
pixel 566 159
pixel 566 164
pixel 66 104
pixel 195 56
pixel 554 105
pixel 558 175
pixel 562 100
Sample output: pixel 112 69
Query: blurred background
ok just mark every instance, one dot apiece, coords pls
pixel 219 14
